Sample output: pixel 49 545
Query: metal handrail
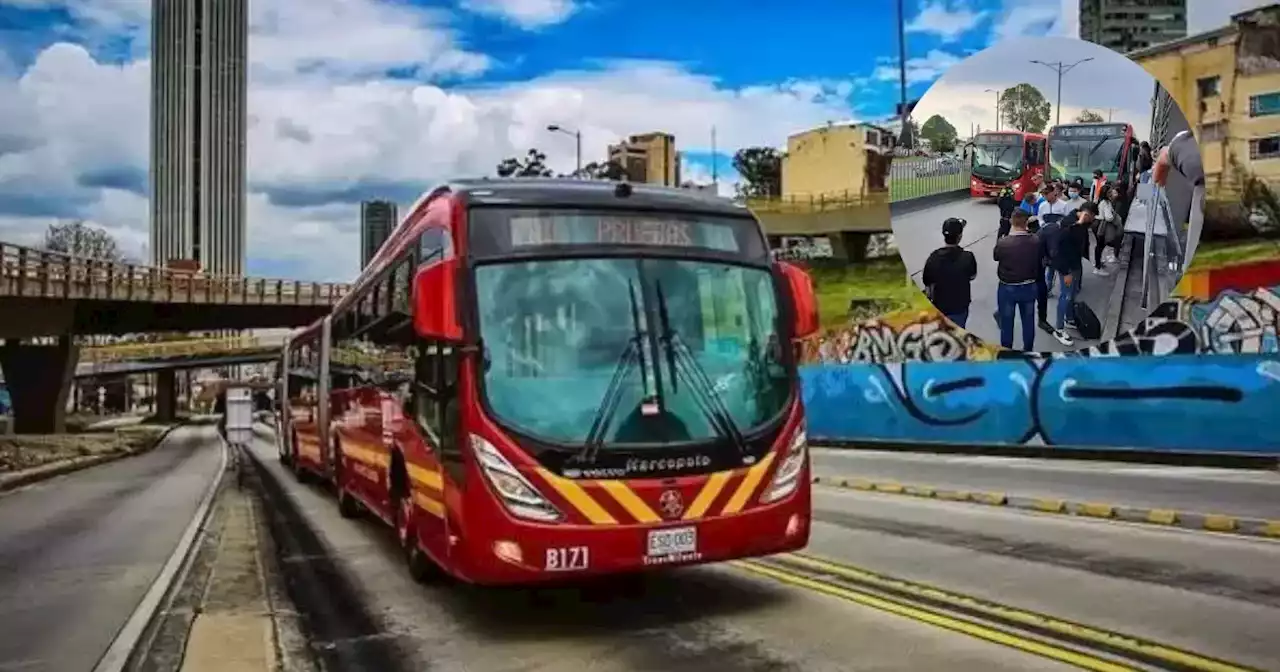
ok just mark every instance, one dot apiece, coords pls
pixel 164 349
pixel 30 272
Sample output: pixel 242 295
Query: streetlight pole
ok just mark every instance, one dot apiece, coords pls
pixel 902 68
pixel 1062 69
pixel 997 92
pixel 577 139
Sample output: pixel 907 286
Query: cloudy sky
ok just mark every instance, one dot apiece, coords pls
pixel 1110 84
pixel 353 99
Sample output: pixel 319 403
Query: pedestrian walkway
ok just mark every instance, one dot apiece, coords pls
pixel 980 238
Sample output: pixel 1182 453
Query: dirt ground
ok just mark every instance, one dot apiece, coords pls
pixel 25 451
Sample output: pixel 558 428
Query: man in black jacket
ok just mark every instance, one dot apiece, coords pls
pixel 948 272
pixel 1066 254
pixel 1018 267
pixel 1007 203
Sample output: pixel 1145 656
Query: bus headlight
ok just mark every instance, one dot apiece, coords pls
pixel 517 493
pixel 787 477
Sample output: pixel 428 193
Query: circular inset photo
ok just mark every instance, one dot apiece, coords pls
pixel 1045 194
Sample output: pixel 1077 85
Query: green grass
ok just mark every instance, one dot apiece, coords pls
pixel 884 280
pixel 1233 252
pixel 904 188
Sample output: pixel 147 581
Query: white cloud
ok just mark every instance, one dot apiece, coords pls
pixel 948 20
pixel 700 174
pixel 920 69
pixel 528 14
pixel 321 131
pixel 1025 18
pixel 1110 84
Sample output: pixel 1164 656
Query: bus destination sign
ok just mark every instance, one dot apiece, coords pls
pixel 1090 131
pixel 998 139
pixel 569 229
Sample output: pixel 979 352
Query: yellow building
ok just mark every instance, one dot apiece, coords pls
pixel 1227 83
pixel 650 158
pixel 831 162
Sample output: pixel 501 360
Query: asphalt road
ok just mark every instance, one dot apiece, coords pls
pixel 919 233
pixel 77 553
pixel 1213 594
pixel 722 617
pixel 1239 492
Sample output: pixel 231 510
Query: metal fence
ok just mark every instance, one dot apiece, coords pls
pixel 919 177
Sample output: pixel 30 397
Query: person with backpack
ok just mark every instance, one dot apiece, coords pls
pixel 948 273
pixel 1108 231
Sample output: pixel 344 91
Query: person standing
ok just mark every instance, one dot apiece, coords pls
pixel 948 273
pixel 1018 266
pixel 1098 189
pixel 1006 203
pixel 1051 210
pixel 1075 197
pixel 1071 247
pixel 1109 229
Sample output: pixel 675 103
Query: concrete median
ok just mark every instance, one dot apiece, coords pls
pixel 1193 520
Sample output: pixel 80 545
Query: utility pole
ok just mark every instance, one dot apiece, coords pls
pixel 902 69
pixel 997 92
pixel 715 160
pixel 1062 69
pixel 577 138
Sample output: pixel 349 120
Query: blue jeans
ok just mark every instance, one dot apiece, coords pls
pixel 1048 277
pixel 959 318
pixel 1020 299
pixel 1066 296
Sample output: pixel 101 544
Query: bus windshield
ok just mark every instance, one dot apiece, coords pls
pixel 997 159
pixel 1080 156
pixel 554 332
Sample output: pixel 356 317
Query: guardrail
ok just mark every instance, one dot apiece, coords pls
pixel 28 272
pixel 104 354
pixel 824 202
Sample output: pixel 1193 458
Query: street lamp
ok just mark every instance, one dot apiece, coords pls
pixel 1062 69
pixel 577 138
pixel 902 71
pixel 997 92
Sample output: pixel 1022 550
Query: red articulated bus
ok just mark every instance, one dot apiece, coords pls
pixel 544 379
pixel 1003 158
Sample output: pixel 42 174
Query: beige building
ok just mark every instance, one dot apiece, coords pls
pixel 839 161
pixel 650 158
pixel 1227 83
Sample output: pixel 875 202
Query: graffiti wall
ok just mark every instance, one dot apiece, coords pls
pixel 1196 376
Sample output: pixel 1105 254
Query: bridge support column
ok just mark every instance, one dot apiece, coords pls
pixel 39 379
pixel 166 396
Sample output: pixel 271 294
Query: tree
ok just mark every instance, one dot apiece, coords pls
pixel 603 170
pixel 79 239
pixel 940 134
pixel 761 171
pixel 534 164
pixel 1023 107
pixel 1088 117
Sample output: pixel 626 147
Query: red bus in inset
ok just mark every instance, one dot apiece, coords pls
pixel 541 379
pixel 1005 158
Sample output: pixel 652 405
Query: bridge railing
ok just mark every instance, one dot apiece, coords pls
pixel 824 202
pixel 29 272
pixel 165 349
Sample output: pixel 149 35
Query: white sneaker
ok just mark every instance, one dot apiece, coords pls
pixel 1099 270
pixel 1063 337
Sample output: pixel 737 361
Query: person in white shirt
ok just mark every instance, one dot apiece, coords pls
pixel 1052 209
pixel 1074 198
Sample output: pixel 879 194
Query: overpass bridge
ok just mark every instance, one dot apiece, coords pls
pixel 59 296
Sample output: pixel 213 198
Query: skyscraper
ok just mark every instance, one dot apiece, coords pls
pixel 377 221
pixel 199 50
pixel 1127 25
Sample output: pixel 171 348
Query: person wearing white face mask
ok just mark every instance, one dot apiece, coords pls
pixel 1074 198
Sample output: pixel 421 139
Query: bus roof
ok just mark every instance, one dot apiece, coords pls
pixel 1028 134
pixel 536 192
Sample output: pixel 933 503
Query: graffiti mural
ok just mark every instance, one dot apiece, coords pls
pixel 1195 376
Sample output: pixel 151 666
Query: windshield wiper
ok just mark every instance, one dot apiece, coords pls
pixel 680 360
pixel 632 354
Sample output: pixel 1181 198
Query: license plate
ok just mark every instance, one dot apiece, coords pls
pixel 673 541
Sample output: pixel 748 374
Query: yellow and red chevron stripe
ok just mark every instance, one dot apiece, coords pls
pixel 615 502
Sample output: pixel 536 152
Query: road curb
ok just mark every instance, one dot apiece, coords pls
pixel 44 472
pixel 1192 520
pixel 126 642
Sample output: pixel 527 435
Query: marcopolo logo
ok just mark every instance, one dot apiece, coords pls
pixel 668 464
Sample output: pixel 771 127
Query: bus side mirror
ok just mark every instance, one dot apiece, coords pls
pixel 800 286
pixel 435 312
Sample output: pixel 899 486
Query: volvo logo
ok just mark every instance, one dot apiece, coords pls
pixel 671 503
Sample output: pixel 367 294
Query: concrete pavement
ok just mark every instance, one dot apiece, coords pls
pixel 78 553
pixel 1213 594
pixel 919 233
pixel 1236 492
